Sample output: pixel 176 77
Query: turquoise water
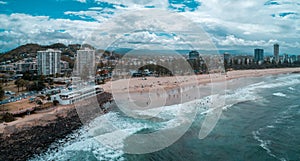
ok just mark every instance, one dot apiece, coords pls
pixel 261 121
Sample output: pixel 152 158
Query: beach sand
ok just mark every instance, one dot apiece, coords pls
pixel 152 92
pixel 153 83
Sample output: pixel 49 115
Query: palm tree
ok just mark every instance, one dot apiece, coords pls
pixel 20 83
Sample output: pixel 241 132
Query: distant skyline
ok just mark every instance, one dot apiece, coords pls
pixel 233 25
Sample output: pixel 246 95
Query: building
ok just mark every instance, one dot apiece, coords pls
pixel 286 58
pixel 242 60
pixel 293 58
pixel 64 67
pixel 85 62
pixel 276 53
pixel 227 59
pixel 26 65
pixel 48 62
pixel 73 96
pixel 259 55
pixel 7 68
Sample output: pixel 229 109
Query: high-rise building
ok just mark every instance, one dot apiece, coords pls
pixel 48 62
pixel 227 58
pixel 276 53
pixel 85 62
pixel 258 55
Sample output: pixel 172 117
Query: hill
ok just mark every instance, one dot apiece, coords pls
pixel 30 50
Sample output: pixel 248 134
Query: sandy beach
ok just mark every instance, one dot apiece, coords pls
pixel 152 83
pixel 139 85
pixel 152 92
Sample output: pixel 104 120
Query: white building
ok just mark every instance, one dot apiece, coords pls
pixel 48 62
pixel 85 62
pixel 70 97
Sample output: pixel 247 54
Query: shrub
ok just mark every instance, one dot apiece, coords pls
pixel 8 117
pixel 55 102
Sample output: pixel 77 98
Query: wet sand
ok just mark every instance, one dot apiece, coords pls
pixel 152 92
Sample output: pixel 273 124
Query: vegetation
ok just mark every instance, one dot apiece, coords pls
pixel 7 117
pixel 2 93
pixel 55 102
pixel 69 60
pixel 30 50
pixel 157 69
pixel 21 83
pixel 36 86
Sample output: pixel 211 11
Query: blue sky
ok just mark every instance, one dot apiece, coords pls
pixel 235 25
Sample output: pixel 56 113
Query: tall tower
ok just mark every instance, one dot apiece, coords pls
pixel 276 53
pixel 85 62
pixel 48 62
pixel 259 55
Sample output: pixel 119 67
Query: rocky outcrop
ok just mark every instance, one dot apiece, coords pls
pixel 26 142
pixel 26 137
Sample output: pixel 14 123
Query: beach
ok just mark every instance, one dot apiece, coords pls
pixel 152 83
pixel 62 120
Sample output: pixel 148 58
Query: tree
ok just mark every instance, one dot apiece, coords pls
pixel 8 117
pixel 20 83
pixel 4 79
pixel 55 102
pixel 2 93
pixel 36 86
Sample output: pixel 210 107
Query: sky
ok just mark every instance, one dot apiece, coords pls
pixel 237 26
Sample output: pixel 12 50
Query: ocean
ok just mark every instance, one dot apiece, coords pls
pixel 260 121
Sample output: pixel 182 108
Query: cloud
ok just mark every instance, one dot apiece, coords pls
pixel 147 29
pixel 91 15
pixel 230 24
pixel 81 1
pixel 19 29
pixel 251 22
pixel 135 4
pixel 2 2
pixel 231 42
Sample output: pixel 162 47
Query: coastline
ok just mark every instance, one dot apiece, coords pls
pixel 24 139
pixel 34 133
pixel 135 85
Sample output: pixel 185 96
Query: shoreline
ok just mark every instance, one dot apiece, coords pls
pixel 135 85
pixel 34 133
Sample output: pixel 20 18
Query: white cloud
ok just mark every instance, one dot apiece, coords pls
pixel 147 28
pixel 233 23
pixel 252 22
pixel 96 8
pixel 22 28
pixel 99 16
pixel 81 1
pixel 131 4
pixel 2 2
